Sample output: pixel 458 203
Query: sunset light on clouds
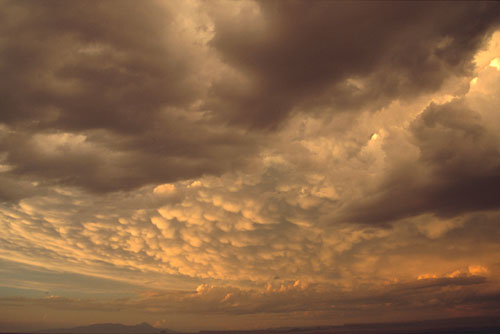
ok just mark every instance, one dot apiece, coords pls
pixel 248 164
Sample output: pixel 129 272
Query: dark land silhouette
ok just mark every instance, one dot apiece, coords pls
pixel 109 328
pixel 469 325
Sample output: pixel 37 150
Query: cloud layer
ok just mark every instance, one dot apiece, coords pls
pixel 254 164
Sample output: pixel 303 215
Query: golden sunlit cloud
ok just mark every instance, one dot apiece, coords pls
pixel 248 165
pixel 495 63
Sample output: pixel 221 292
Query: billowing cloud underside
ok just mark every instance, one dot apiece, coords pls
pixel 276 155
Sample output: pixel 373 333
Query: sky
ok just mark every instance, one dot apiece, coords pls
pixel 248 164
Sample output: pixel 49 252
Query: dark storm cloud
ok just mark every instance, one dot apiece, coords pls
pixel 13 189
pixel 463 156
pixel 341 54
pixel 458 170
pixel 105 162
pixel 89 65
pixel 283 161
pixel 110 97
pixel 100 96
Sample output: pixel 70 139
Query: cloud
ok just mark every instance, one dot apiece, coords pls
pixel 12 190
pixel 285 298
pixel 164 99
pixel 260 160
pixel 458 169
pixel 340 55
pixel 90 105
pixel 83 72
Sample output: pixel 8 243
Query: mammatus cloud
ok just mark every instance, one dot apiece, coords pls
pixel 258 164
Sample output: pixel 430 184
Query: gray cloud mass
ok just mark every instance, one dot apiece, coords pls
pixel 249 164
pixel 343 54
pixel 125 78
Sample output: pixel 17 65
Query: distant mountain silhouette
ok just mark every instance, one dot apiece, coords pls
pixel 465 325
pixel 108 328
